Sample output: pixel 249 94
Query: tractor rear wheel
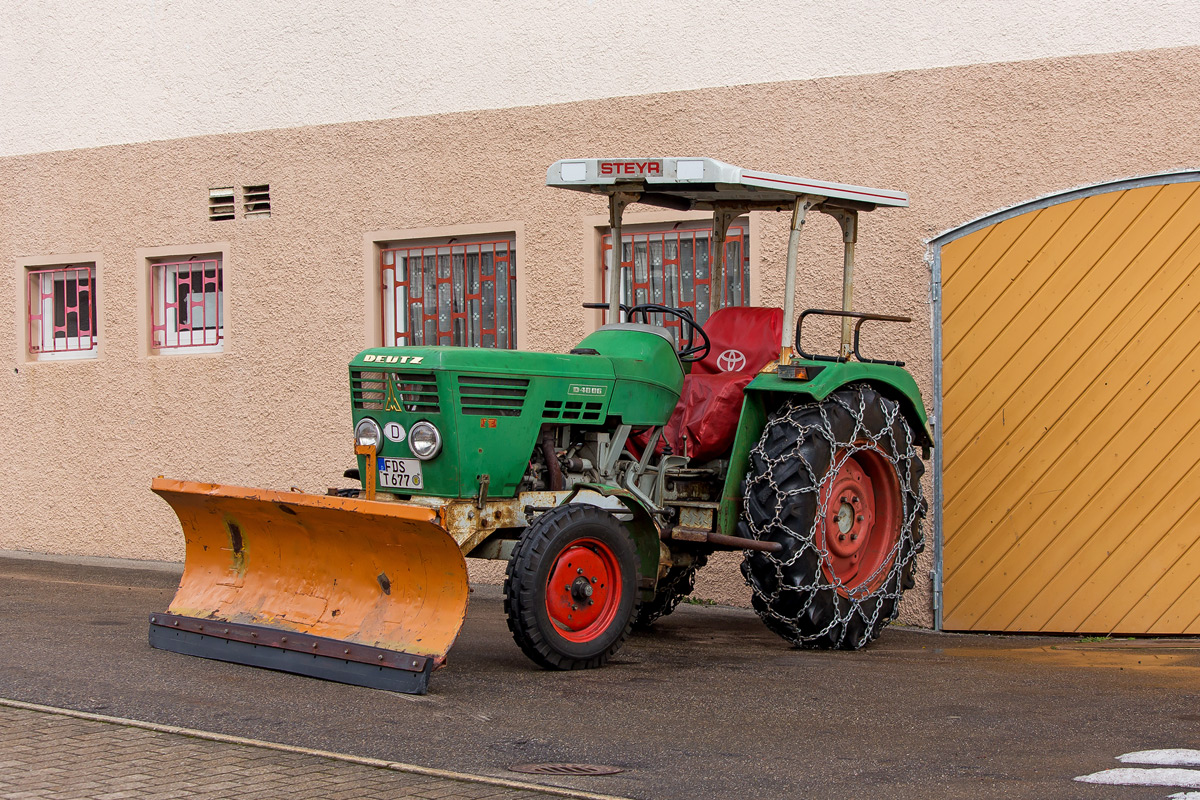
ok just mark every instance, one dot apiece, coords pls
pixel 838 485
pixel 678 583
pixel 571 587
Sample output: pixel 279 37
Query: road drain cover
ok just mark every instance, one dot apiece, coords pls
pixel 566 769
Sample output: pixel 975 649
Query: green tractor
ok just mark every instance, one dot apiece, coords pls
pixel 604 477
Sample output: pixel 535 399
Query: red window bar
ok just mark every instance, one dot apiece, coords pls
pixel 62 309
pixel 187 307
pixel 449 294
pixel 671 267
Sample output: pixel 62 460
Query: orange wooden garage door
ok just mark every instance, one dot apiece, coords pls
pixel 1071 413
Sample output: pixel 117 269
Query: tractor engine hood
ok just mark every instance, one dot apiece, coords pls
pixel 489 406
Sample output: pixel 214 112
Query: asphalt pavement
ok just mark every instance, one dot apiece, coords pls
pixel 708 705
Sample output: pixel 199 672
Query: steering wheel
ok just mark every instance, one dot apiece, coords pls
pixel 690 351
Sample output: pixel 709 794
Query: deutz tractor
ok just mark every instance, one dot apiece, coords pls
pixel 605 477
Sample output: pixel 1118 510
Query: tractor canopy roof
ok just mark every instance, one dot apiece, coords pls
pixel 705 183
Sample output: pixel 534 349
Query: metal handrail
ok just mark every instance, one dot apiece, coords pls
pixel 861 317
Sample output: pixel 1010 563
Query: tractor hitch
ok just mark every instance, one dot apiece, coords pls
pixel 720 540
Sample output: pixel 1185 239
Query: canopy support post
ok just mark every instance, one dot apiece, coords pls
pixel 799 214
pixel 848 219
pixel 723 217
pixel 616 207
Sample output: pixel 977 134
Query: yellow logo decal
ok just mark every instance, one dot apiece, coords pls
pixel 393 396
pixel 381 359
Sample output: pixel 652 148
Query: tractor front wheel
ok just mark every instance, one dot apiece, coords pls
pixel 571 588
pixel 838 485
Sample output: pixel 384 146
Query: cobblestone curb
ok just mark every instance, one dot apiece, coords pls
pixel 25 755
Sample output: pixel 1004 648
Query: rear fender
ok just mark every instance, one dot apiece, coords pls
pixel 768 391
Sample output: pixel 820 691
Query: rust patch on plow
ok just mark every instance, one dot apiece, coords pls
pixel 237 546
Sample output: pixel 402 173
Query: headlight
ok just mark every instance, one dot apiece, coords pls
pixel 424 440
pixel 367 433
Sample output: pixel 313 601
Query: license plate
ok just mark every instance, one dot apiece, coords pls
pixel 399 473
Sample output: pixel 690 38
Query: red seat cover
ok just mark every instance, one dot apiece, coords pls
pixel 707 412
pixel 744 340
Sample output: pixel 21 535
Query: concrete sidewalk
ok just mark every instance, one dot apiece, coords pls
pixel 56 753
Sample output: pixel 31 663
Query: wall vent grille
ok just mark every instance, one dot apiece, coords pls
pixel 256 200
pixel 220 204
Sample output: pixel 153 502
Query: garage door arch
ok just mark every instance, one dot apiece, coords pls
pixel 1067 408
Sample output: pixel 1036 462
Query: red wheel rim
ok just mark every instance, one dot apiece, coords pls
pixel 583 591
pixel 860 522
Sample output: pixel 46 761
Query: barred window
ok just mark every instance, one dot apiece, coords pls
pixel 187 308
pixel 450 293
pixel 671 267
pixel 62 311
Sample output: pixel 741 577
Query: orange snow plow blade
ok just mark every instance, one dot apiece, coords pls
pixel 357 591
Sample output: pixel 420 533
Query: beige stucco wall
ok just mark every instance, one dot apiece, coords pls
pixel 83 439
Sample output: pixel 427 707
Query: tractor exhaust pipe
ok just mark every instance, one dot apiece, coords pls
pixel 554 476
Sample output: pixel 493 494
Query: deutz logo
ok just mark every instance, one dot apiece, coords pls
pixel 393 359
pixel 579 389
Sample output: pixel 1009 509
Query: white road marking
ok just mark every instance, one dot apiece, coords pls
pixel 1126 776
pixel 1165 758
pixel 1184 796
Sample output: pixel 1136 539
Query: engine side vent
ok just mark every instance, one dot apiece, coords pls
pixel 367 390
pixel 488 395
pixel 220 204
pixel 256 200
pixel 572 410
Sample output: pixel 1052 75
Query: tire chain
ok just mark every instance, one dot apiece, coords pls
pixel 902 455
pixel 678 584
